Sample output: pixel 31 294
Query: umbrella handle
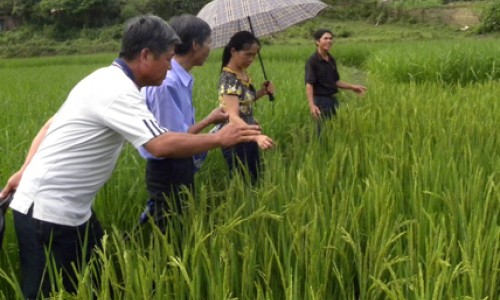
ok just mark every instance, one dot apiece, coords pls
pixel 271 96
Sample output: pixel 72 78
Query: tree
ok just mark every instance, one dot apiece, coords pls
pixel 71 13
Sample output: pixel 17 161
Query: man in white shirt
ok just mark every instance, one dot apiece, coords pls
pixel 74 154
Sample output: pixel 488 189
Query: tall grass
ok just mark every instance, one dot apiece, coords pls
pixel 398 200
pixel 446 62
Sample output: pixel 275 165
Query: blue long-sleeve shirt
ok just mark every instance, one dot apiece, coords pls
pixel 171 103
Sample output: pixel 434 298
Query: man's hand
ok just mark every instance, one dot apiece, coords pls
pixel 233 134
pixel 12 184
pixel 264 142
pixel 217 116
pixel 360 90
pixel 315 111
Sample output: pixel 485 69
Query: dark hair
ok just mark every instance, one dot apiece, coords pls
pixel 319 33
pixel 241 40
pixel 190 29
pixel 150 32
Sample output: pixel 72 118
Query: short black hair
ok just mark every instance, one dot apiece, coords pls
pixel 190 29
pixel 150 32
pixel 319 33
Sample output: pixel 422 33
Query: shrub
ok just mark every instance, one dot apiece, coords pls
pixel 490 22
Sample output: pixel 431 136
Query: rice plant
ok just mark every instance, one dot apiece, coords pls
pixel 398 200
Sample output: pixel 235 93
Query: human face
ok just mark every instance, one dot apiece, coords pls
pixel 156 69
pixel 325 42
pixel 245 57
pixel 201 52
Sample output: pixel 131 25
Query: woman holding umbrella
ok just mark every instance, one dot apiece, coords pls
pixel 237 95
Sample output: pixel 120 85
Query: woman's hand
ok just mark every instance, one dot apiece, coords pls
pixel 267 88
pixel 264 142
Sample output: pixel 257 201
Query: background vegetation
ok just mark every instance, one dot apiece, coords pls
pixel 400 199
pixel 62 27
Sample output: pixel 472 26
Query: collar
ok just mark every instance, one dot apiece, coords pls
pixel 125 68
pixel 185 77
pixel 245 83
pixel 320 58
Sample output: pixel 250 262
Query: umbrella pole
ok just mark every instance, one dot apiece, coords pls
pixel 271 96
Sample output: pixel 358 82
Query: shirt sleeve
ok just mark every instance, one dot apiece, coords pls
pixel 129 116
pixel 337 75
pixel 310 72
pixel 230 85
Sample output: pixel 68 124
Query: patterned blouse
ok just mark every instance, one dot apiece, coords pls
pixel 231 84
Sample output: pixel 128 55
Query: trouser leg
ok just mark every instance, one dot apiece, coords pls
pixel 244 154
pixel 62 244
pixel 165 181
pixel 328 106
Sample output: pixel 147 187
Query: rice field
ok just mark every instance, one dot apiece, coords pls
pixel 399 200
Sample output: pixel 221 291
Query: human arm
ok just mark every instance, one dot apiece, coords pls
pixel 217 116
pixel 355 88
pixel 233 109
pixel 180 145
pixel 311 79
pixel 15 179
pixel 266 89
pixel 310 98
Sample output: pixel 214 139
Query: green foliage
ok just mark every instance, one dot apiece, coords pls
pixel 400 199
pixel 163 8
pixel 349 10
pixel 444 62
pixel 6 7
pixel 78 14
pixel 490 21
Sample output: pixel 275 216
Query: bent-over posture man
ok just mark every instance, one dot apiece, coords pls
pixel 76 154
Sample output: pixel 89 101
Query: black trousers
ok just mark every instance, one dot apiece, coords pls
pixel 328 106
pixel 63 245
pixel 165 181
pixel 243 155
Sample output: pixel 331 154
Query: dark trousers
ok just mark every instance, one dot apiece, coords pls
pixel 64 245
pixel 165 181
pixel 243 155
pixel 328 106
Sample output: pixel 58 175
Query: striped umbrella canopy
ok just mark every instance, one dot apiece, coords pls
pixel 262 17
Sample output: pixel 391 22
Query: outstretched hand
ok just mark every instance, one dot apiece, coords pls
pixel 264 142
pixel 360 90
pixel 233 134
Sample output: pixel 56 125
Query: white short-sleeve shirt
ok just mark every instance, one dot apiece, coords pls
pixel 82 145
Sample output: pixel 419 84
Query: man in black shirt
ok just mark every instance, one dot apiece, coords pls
pixel 322 78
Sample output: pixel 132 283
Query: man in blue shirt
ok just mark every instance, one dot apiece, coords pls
pixel 172 105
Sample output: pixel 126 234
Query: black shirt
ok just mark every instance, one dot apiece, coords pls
pixel 322 74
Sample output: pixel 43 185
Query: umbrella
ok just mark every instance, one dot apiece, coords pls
pixel 4 205
pixel 261 17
